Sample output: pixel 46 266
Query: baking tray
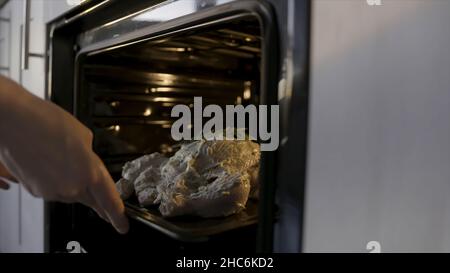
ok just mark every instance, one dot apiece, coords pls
pixel 189 228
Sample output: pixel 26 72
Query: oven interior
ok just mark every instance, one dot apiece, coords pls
pixel 125 95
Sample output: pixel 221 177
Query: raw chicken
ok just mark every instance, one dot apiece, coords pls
pixel 144 174
pixel 204 178
pixel 208 178
pixel 125 188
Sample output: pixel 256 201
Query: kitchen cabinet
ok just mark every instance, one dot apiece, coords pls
pixel 5 33
pixel 10 220
pixel 22 215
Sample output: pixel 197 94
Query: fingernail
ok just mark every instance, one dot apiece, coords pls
pixel 123 229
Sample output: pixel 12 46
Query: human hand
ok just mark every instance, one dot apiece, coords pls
pixel 50 154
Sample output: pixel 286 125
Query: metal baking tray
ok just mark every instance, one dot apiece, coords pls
pixel 189 228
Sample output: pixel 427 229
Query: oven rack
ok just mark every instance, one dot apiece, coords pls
pixel 189 228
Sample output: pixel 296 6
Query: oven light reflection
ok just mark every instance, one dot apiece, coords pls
pixel 247 90
pixel 168 104
pixel 158 89
pixel 166 148
pixel 115 104
pixel 162 99
pixel 147 112
pixel 115 128
pixel 167 79
pixel 173 49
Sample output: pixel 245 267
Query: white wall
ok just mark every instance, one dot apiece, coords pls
pixel 379 144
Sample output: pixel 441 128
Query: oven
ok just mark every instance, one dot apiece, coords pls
pixel 120 66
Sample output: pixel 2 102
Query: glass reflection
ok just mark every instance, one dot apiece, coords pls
pixel 159 13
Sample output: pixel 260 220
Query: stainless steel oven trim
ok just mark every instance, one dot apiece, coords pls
pixel 112 45
pixel 156 6
pixel 87 11
pixel 290 194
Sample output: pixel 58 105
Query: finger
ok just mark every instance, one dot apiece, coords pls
pixel 89 201
pixel 3 185
pixel 109 200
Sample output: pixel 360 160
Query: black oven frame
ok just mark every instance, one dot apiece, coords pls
pixel 284 47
